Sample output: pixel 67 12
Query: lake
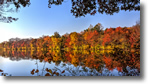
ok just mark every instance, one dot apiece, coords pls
pixel 70 63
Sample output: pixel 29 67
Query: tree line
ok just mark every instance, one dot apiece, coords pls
pixel 93 38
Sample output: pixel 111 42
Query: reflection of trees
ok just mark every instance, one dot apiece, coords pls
pixel 79 7
pixel 121 59
pixel 37 70
pixel 93 60
pixel 70 70
pixel 2 73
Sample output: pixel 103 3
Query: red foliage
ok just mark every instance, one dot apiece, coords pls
pixel 67 41
pixel 119 69
pixel 108 61
pixel 68 56
pixel 106 39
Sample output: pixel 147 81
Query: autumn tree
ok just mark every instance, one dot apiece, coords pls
pixel 46 42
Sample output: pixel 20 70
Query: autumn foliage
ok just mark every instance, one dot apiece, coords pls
pixel 90 39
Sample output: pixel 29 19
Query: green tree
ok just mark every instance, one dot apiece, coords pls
pixel 56 35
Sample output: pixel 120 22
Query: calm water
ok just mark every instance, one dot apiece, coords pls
pixel 70 63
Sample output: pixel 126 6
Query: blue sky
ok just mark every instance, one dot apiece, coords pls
pixel 37 20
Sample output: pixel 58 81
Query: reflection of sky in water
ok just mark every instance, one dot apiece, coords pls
pixel 20 68
pixel 24 68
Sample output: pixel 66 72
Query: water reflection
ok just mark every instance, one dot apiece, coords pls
pixel 73 63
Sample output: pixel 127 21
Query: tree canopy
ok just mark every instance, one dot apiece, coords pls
pixel 5 8
pixel 79 7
